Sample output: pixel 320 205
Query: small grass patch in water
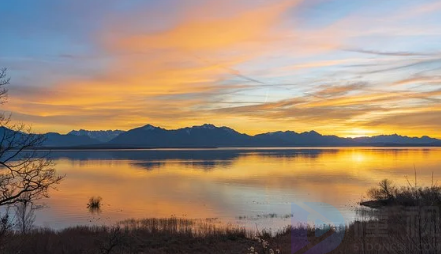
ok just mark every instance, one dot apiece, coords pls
pixel 94 204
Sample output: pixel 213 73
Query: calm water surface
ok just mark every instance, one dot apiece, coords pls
pixel 224 183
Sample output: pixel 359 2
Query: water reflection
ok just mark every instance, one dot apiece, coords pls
pixel 224 183
pixel 205 159
pixel 148 165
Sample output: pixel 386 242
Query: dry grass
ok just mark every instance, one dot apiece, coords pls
pixel 384 232
pixel 172 235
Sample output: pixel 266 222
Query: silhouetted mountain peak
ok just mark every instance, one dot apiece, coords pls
pixel 279 133
pixel 228 129
pixel 87 132
pixel 205 126
pixel 101 135
pixel 210 127
pixel 312 133
pixel 149 127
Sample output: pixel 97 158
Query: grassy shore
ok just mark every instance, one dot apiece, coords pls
pixel 171 235
pixel 404 220
pixel 386 235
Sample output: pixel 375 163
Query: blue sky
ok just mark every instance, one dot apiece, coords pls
pixel 350 68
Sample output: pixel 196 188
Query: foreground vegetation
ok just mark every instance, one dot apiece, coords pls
pixel 171 235
pixel 188 236
pixel 386 194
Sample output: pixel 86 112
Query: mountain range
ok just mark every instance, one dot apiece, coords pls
pixel 101 136
pixel 208 135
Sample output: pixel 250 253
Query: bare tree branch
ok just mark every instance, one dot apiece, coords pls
pixel 26 174
pixel 3 81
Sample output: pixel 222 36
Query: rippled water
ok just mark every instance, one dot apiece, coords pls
pixel 245 186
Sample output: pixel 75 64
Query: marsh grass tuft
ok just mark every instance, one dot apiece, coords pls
pixel 94 205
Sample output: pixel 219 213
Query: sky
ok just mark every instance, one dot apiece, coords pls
pixel 340 67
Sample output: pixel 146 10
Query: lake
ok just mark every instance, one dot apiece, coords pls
pixel 244 186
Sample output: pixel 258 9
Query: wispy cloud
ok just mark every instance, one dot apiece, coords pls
pixel 385 53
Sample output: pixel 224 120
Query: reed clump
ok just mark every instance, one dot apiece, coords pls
pixel 94 203
pixel 386 194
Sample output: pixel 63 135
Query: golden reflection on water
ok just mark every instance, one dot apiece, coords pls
pixel 223 183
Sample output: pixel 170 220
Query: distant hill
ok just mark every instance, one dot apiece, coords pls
pixel 52 139
pixel 397 139
pixel 208 135
pixel 58 140
pixel 291 138
pixel 101 136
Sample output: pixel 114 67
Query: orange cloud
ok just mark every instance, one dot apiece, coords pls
pixel 203 32
pixel 156 77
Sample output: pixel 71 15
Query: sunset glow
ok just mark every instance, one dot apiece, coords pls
pixel 339 67
pixel 244 183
